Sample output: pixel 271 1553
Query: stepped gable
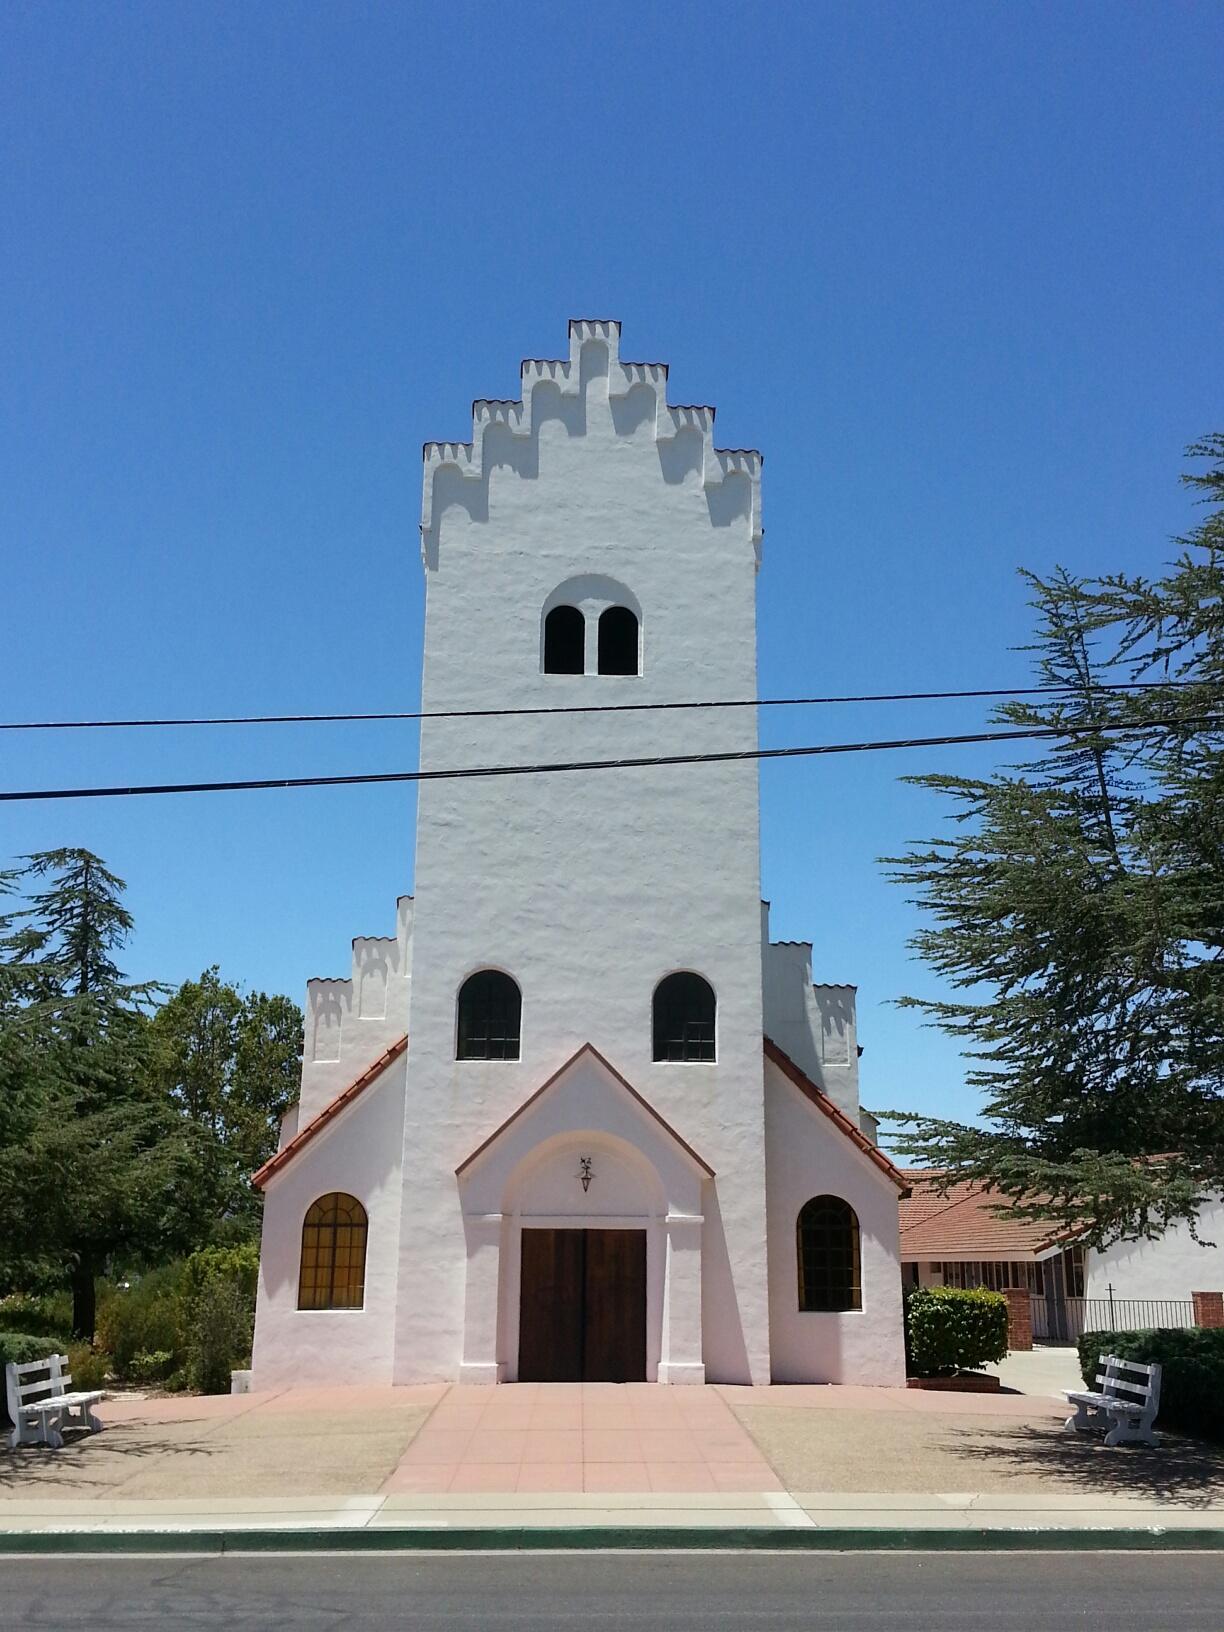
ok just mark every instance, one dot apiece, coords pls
pixel 350 1020
pixel 637 392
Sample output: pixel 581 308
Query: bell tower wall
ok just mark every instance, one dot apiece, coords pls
pixel 588 886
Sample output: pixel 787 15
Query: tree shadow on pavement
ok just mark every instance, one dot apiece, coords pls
pixel 87 1461
pixel 1187 1471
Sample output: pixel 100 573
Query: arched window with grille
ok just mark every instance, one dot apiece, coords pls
pixel 490 1017
pixel 618 641
pixel 332 1271
pixel 830 1265
pixel 565 641
pixel 685 1010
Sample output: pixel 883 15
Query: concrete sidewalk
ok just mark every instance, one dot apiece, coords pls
pixel 1045 1370
pixel 634 1465
pixel 817 1519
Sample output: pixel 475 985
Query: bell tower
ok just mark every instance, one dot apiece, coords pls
pixel 590 556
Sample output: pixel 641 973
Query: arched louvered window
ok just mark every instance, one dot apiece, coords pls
pixel 684 1015
pixel 490 1017
pixel 332 1271
pixel 830 1268
pixel 618 641
pixel 564 641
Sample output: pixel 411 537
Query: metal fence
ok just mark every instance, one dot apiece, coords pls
pixel 1063 1320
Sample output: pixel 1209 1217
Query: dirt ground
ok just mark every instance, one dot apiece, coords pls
pixel 210 1449
pixel 938 1451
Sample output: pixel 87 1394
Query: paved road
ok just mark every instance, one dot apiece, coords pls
pixel 860 1592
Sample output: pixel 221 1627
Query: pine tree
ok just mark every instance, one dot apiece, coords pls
pixel 89 1158
pixel 1079 907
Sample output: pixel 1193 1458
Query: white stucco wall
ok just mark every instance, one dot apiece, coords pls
pixel 1172 1266
pixel 359 1152
pixel 588 887
pixel 808 1156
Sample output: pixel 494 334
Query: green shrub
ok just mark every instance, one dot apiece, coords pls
pixel 238 1265
pixel 187 1324
pixel 143 1318
pixel 1191 1359
pixel 16 1348
pixel 218 1313
pixel 151 1367
pixel 947 1330
pixel 90 1367
pixel 219 1335
pixel 49 1315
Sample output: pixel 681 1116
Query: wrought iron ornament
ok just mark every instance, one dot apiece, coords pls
pixel 585 1174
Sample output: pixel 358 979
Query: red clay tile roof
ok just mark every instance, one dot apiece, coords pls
pixel 330 1110
pixel 839 1119
pixel 961 1225
pixel 781 1059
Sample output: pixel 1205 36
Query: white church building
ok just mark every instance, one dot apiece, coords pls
pixel 578 1118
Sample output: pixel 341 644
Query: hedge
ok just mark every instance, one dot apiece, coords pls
pixel 48 1315
pixel 1191 1359
pixel 16 1348
pixel 948 1330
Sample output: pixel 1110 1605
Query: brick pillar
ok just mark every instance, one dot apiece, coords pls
pixel 1208 1309
pixel 1019 1318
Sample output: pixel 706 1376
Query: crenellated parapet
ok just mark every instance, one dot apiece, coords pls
pixel 349 1022
pixel 636 394
pixel 814 1023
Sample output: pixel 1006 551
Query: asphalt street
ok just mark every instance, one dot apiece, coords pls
pixel 636 1592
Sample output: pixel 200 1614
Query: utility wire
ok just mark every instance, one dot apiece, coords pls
pixel 587 708
pixel 1194 724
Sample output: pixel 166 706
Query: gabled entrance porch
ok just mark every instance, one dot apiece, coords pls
pixel 583 1222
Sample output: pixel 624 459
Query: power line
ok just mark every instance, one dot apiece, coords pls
pixel 468 772
pixel 586 708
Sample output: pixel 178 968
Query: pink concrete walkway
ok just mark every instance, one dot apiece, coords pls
pixel 539 1437
pixel 581 1436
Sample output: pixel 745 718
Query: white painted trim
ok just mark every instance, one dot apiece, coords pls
pixel 472 1372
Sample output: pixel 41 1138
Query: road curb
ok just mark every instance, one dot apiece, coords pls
pixel 611 1538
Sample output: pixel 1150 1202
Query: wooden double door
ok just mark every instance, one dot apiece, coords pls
pixel 582 1311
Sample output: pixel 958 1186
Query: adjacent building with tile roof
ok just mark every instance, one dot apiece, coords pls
pixel 959 1238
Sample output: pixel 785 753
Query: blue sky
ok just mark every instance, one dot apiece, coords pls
pixel 955 269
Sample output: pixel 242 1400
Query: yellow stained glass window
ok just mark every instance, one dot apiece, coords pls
pixel 332 1273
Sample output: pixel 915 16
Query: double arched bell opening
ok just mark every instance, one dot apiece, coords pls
pixel 591 625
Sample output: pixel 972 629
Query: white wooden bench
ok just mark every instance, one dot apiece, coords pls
pixel 1128 1398
pixel 43 1407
